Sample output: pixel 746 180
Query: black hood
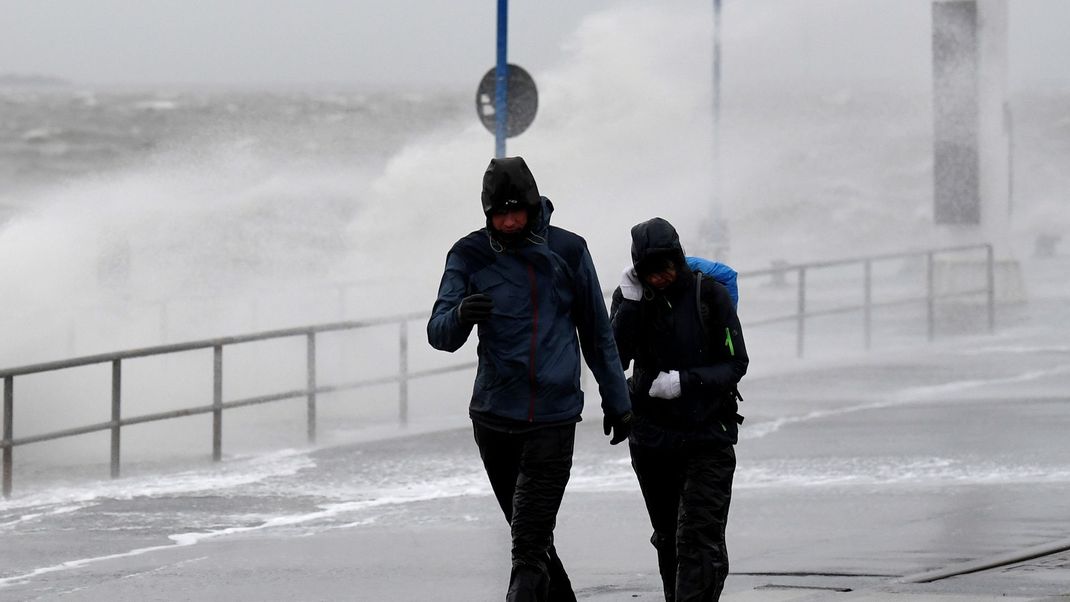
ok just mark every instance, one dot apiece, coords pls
pixel 655 239
pixel 508 182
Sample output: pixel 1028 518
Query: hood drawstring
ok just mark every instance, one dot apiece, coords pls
pixel 536 239
pixel 498 247
pixel 533 237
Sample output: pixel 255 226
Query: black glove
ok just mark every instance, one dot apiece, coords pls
pixel 733 404
pixel 620 426
pixel 475 308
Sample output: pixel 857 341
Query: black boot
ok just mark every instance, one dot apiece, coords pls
pixel 666 547
pixel 560 586
pixel 527 584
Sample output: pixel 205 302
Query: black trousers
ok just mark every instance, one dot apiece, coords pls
pixel 528 473
pixel 687 494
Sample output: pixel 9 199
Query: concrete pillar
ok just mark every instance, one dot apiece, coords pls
pixel 956 144
pixel 972 138
pixel 971 121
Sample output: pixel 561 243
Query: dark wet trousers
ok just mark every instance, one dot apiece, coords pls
pixel 528 473
pixel 687 494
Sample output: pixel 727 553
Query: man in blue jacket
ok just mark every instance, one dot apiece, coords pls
pixel 531 291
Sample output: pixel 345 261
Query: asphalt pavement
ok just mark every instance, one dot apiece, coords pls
pixel 936 471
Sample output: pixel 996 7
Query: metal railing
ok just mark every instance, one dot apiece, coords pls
pixel 868 304
pixel 218 405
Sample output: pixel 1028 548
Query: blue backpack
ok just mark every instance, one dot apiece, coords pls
pixel 719 272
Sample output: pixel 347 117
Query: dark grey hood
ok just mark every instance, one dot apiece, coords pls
pixel 655 238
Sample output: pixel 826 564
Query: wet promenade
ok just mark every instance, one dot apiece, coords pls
pixel 938 472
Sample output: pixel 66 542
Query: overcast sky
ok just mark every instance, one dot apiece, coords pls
pixel 418 42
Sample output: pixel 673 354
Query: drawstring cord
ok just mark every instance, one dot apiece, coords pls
pixel 498 247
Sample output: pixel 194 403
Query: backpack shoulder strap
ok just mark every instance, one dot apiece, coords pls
pixel 704 315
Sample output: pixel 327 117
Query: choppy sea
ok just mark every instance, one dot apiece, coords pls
pixel 55 136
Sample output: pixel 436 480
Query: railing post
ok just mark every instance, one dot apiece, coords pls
pixel 116 414
pixel 930 296
pixel 867 309
pixel 9 416
pixel 403 373
pixel 312 387
pixel 801 326
pixel 217 403
pixel 990 274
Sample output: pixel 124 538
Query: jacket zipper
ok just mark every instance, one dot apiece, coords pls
pixel 534 340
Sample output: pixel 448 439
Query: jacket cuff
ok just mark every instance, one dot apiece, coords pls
pixel 685 382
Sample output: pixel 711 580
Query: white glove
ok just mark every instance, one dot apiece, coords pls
pixel 666 385
pixel 629 285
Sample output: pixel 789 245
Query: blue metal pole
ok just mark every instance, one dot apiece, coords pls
pixel 501 80
pixel 719 232
pixel 716 66
pixel 717 113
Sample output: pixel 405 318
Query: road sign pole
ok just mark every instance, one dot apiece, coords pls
pixel 717 90
pixel 720 228
pixel 501 79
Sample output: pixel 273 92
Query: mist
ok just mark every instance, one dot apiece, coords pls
pixel 179 171
pixel 145 211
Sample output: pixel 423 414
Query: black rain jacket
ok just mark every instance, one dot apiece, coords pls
pixel 664 332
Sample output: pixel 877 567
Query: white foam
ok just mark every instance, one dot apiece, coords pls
pixel 613 475
pixel 74 564
pixel 936 392
pixel 234 473
pixel 620 480
pixel 891 472
pixel 39 515
pixel 406 494
pixel 157 105
pixel 908 396
pixel 1016 349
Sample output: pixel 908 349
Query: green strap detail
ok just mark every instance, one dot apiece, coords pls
pixel 728 341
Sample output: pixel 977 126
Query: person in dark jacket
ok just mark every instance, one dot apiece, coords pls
pixel 531 291
pixel 680 329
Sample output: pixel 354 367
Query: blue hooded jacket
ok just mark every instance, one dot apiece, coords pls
pixel 547 306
